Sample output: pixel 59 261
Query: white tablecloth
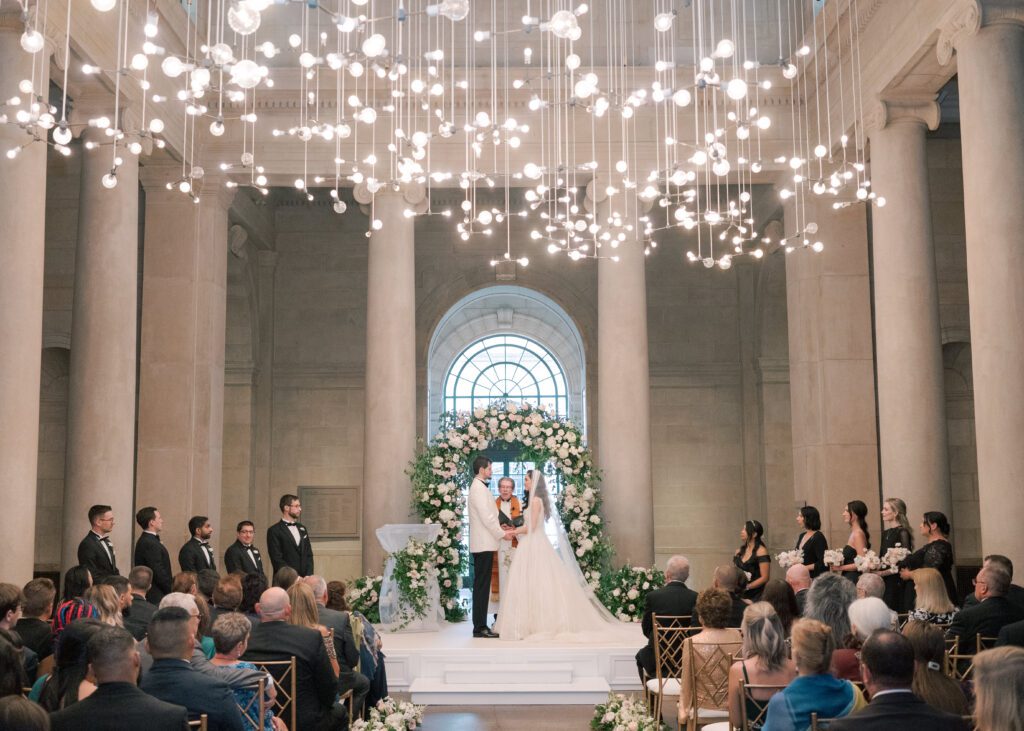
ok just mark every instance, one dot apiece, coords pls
pixel 393 537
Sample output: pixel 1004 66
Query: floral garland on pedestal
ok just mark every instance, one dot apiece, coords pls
pixel 363 596
pixel 415 566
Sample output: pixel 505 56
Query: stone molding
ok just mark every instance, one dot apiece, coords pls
pixel 904 109
pixel 968 17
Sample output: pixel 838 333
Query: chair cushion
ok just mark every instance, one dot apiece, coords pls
pixel 711 713
pixel 717 726
pixel 670 686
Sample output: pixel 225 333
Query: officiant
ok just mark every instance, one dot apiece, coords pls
pixel 510 513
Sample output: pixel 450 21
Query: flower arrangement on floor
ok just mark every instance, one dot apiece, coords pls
pixel 415 566
pixel 790 558
pixel 623 592
pixel 363 595
pixel 619 713
pixel 391 715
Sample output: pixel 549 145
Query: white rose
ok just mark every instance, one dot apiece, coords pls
pixel 473 431
pixel 437 461
pixel 563 452
pixel 478 413
pixel 595 519
pixel 576 525
pixel 632 593
pixel 616 592
pixel 550 443
pixel 571 437
pixel 456 442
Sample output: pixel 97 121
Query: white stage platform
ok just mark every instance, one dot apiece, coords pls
pixel 451 667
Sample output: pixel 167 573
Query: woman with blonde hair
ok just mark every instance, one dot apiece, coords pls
pixel 931 684
pixel 815 690
pixel 897 534
pixel 305 614
pixel 931 603
pixel 999 689
pixel 106 601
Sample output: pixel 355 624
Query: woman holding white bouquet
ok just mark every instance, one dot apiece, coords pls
pixel 937 554
pixel 811 541
pixel 897 544
pixel 854 515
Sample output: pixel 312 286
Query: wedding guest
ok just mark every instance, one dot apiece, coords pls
pixel 371 656
pixel 73 607
pixel 18 713
pixel 243 555
pixel 937 553
pixel 1011 635
pixel 288 540
pixel 117 704
pixel 897 534
pixel 727 578
pixel 866 616
pixel 11 601
pixel 887 662
pixel 815 689
pixel 753 560
pixel 714 610
pixel 206 581
pixel 96 552
pixel 140 579
pixel 123 590
pixel 150 552
pixel 13 677
pixel 336 596
pixel 799 579
pixel 346 647
pixel 765 660
pixel 1014 595
pixel 186 582
pixel 227 596
pixel 107 603
pixel 854 515
pixel 231 638
pixel 675 599
pixel 173 678
pixel 931 603
pixel 197 554
pixel 284 577
pixel 253 586
pixel 870 584
pixel 999 689
pixel 828 601
pixel 304 614
pixel 69 683
pixel 35 628
pixel 203 638
pixel 783 600
pixel 992 613
pixel 812 542
pixel 931 684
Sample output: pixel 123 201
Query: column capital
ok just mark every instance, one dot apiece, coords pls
pixel 967 17
pixel 597 193
pixel 267 259
pixel 920 109
pixel 414 194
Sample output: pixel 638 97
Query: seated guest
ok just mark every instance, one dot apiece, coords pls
pixel 231 638
pixel 253 586
pixel 729 579
pixel 227 596
pixel 675 599
pixel 931 603
pixel 140 579
pixel 993 611
pixel 171 640
pixel 11 602
pixel 1011 635
pixel 714 609
pixel 123 589
pixel 18 713
pixel 371 657
pixel 1015 594
pixel 206 582
pixel 304 614
pixel 783 600
pixel 186 582
pixel 107 603
pixel 999 689
pixel 274 639
pixel 765 660
pixel 828 601
pixel 799 578
pixel 870 585
pixel 76 580
pixel 887 662
pixel 931 684
pixel 68 683
pixel 345 650
pixel 285 576
pixel 12 670
pixel 866 616
pixel 205 623
pixel 34 627
pixel 815 689
pixel 116 704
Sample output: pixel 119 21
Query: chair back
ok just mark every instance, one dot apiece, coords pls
pixel 669 634
pixel 199 723
pixel 286 681
pixel 984 643
pixel 820 723
pixel 750 704
pixel 252 712
pixel 709 664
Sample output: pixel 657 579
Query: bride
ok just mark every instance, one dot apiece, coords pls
pixel 547 596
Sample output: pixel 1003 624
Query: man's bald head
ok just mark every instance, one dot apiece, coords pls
pixel 274 604
pixel 798 577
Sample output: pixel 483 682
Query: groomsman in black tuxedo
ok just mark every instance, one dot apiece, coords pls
pixel 197 555
pixel 288 540
pixel 242 555
pixel 151 553
pixel 95 552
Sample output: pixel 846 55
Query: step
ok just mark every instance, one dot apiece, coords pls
pixel 580 692
pixel 498 673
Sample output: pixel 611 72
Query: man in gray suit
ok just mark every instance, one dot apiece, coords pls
pixel 344 643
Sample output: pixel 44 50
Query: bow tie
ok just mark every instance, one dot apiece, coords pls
pixel 106 539
pixel 289 524
pixel 204 544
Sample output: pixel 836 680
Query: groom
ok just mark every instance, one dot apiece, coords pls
pixel 484 534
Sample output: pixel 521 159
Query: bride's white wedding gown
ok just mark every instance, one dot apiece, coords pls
pixel 543 598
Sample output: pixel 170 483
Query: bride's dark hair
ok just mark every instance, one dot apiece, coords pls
pixel 540 491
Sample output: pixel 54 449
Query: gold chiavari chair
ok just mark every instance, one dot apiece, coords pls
pixel 252 712
pixel 199 723
pixel 669 633
pixel 820 724
pixel 750 703
pixel 708 676
pixel 285 680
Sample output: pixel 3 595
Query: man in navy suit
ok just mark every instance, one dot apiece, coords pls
pixel 150 552
pixel 116 704
pixel 172 678
pixel 674 599
pixel 96 552
pixel 288 540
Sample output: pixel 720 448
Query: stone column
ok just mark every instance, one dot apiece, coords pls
pixel 181 366
pixel 624 392
pixel 390 412
pixel 908 342
pixel 100 462
pixel 832 389
pixel 23 217
pixel 988 38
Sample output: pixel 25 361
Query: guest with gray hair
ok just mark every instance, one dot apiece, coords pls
pixel 870 585
pixel 765 661
pixel 828 601
pixel 993 612
pixel 675 599
pixel 231 639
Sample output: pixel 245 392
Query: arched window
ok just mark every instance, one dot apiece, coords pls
pixel 506 367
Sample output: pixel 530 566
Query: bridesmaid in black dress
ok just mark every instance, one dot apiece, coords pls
pixel 811 540
pixel 897 533
pixel 854 515
pixel 753 560
pixel 936 554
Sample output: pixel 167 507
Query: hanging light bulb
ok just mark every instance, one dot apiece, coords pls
pixel 374 45
pixel 681 98
pixel 246 74
pixel 663 21
pixel 109 181
pixel 62 133
pixel 32 41
pixel 736 89
pixel 244 19
pixel 139 62
pixel 452 9
pixel 217 127
pixel 104 5
pixel 563 24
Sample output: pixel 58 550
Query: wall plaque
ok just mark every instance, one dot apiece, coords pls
pixel 330 511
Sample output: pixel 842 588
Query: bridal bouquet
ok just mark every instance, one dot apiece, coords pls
pixel 893 556
pixel 619 713
pixel 624 592
pixel 833 557
pixel 868 562
pixel 790 558
pixel 391 715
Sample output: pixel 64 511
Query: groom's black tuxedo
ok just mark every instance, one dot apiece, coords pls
pixel 674 599
pixel 236 558
pixel 284 552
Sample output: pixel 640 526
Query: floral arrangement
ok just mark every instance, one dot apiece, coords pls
pixel 893 556
pixel 868 562
pixel 620 713
pixel 440 476
pixel 833 557
pixel 415 566
pixel 790 558
pixel 391 715
pixel 363 596
pixel 624 591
